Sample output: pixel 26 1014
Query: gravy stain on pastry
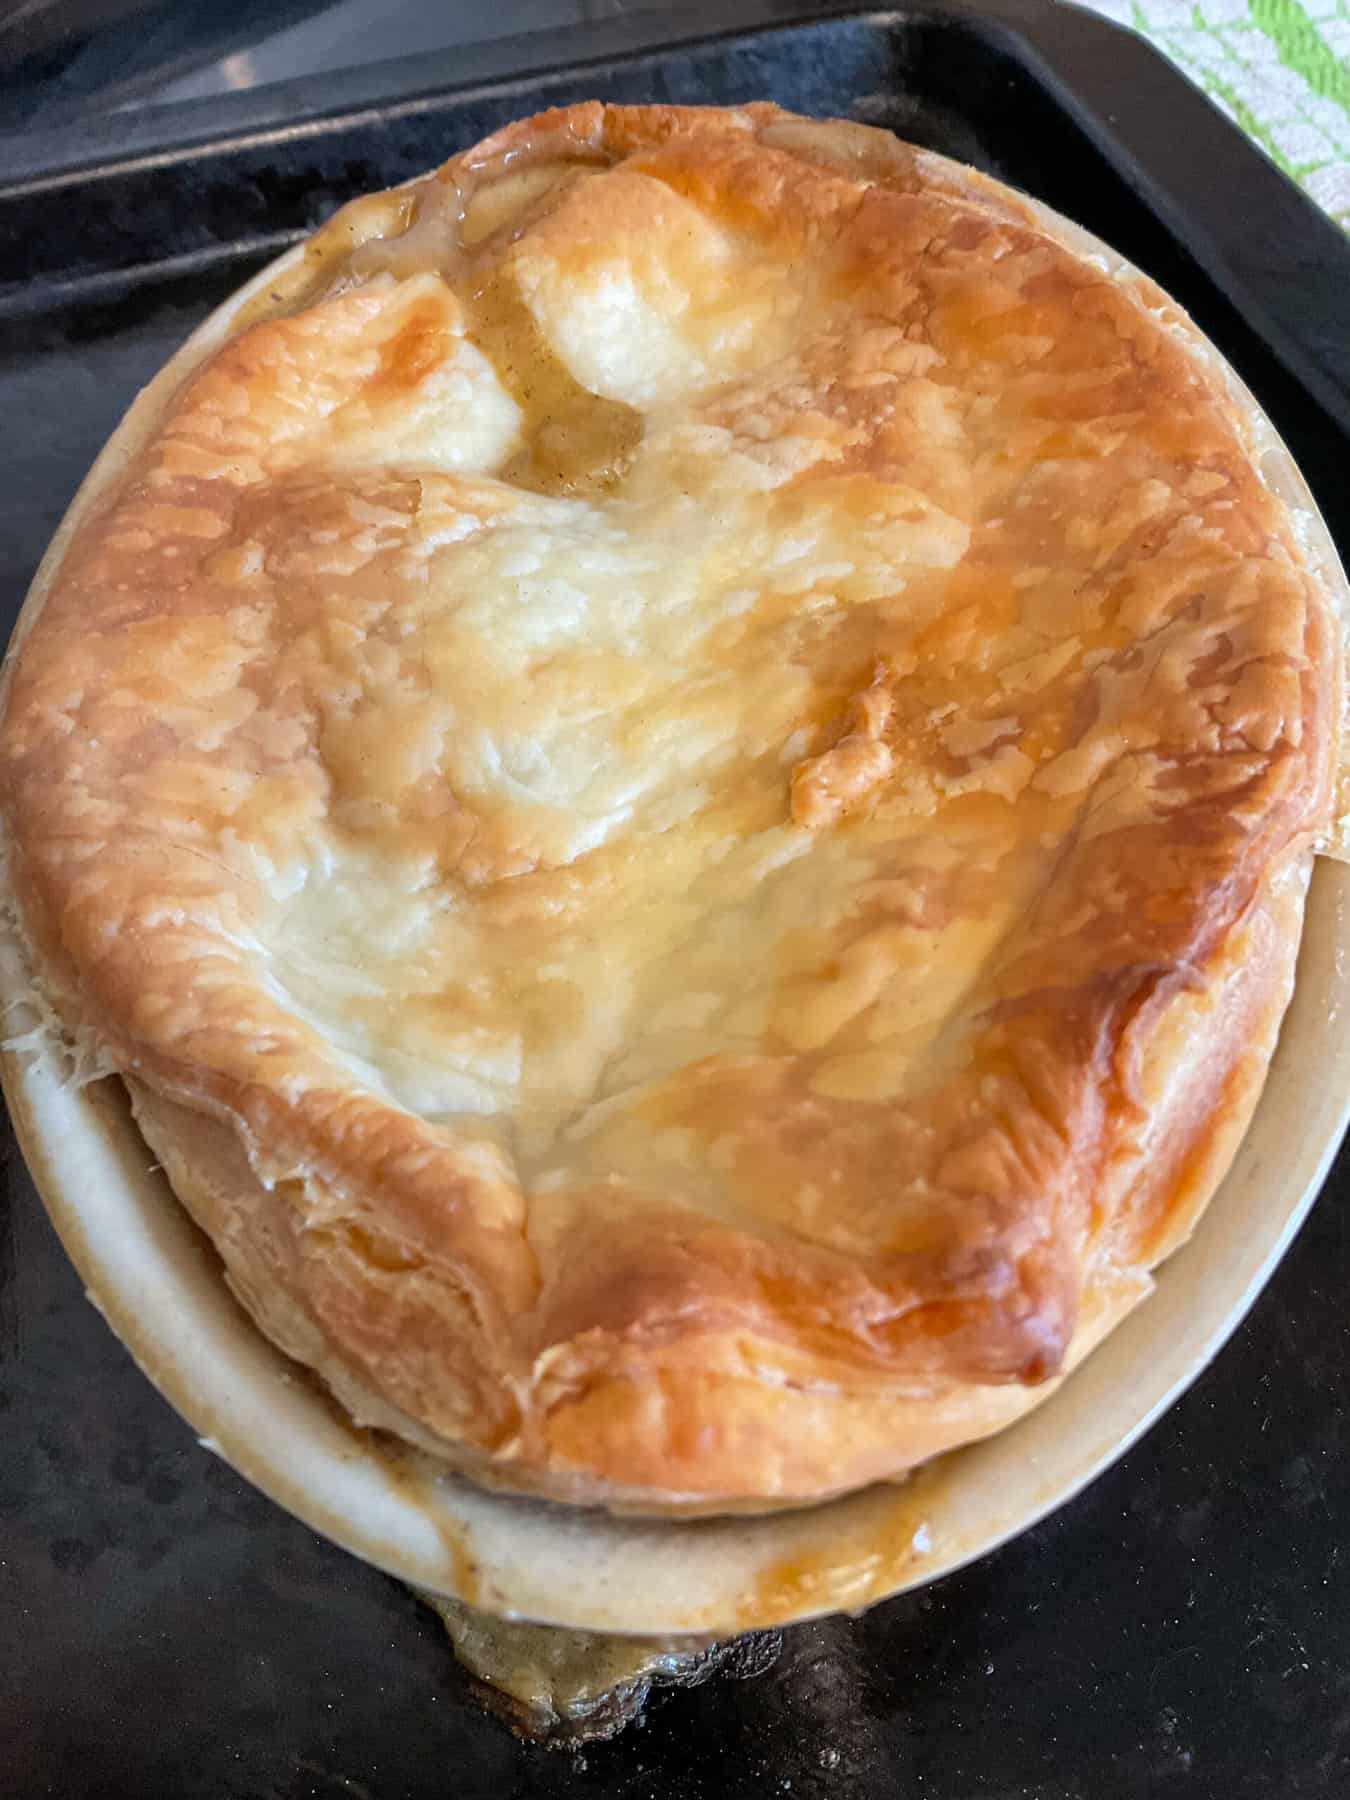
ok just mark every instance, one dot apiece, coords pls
pixel 679 741
pixel 576 442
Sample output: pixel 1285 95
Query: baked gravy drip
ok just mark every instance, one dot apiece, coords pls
pixel 574 442
pixel 562 1687
pixel 327 262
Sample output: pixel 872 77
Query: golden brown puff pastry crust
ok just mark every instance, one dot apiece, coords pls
pixel 697 752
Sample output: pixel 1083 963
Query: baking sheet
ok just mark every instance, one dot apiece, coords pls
pixel 1184 1627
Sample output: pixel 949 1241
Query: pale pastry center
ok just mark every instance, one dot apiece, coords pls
pixel 608 643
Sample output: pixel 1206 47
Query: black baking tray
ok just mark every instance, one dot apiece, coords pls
pixel 1181 1629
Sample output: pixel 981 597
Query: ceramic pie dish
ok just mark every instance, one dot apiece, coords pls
pixel 398 1502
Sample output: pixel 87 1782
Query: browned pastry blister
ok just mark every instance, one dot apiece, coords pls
pixel 682 780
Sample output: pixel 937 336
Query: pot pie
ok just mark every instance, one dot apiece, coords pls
pixel 681 781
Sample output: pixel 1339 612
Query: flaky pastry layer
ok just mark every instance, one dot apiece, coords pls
pixel 682 780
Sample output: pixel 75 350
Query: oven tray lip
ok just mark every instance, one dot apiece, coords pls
pixel 1276 258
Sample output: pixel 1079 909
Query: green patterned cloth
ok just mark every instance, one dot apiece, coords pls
pixel 1280 68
